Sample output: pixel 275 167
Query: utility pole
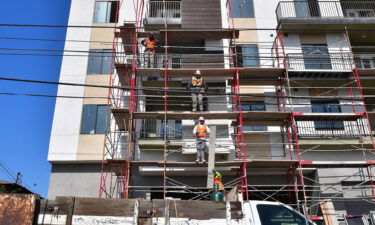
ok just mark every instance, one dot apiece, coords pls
pixel 19 178
pixel 211 157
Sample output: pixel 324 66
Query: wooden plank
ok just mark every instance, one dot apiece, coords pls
pixel 104 207
pixel 202 210
pixel 211 158
pixel 236 210
pixel 69 217
pixel 329 214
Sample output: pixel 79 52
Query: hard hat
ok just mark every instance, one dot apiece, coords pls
pixel 197 72
pixel 201 118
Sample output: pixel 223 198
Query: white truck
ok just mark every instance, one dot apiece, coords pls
pixel 271 213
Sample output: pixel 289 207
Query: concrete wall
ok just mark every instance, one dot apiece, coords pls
pixel 81 180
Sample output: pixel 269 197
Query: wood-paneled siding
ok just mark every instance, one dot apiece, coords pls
pixel 200 14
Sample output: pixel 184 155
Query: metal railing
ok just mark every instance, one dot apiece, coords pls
pixel 158 11
pixel 154 129
pixel 332 61
pixel 364 61
pixel 325 9
pixel 327 129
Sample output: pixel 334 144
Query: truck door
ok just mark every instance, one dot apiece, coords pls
pixel 279 215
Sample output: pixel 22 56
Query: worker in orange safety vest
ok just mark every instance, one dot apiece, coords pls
pixel 200 131
pixel 150 45
pixel 218 184
pixel 198 89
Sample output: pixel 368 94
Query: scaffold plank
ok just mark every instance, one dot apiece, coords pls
pixel 258 117
pixel 337 164
pixel 327 116
pixel 250 163
pixel 257 73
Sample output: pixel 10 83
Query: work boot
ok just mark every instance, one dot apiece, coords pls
pixel 203 161
pixel 197 161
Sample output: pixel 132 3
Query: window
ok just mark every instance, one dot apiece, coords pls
pixel 242 8
pixel 254 106
pixel 327 107
pixel 99 61
pixel 248 56
pixel 172 132
pixel 278 215
pixel 105 12
pixel 93 119
pixel 316 56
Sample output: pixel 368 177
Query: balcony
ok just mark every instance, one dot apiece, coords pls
pixel 332 129
pixel 159 13
pixel 364 60
pixel 331 65
pixel 154 129
pixel 296 13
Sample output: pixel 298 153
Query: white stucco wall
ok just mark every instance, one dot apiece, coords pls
pixel 265 18
pixel 67 117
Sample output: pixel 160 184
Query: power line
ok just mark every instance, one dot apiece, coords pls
pixel 7 171
pixel 172 91
pixel 192 29
pixel 180 102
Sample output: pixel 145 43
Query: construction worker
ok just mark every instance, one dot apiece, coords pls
pixel 149 55
pixel 200 131
pixel 218 185
pixel 198 89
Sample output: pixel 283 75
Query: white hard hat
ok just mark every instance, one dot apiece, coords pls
pixel 197 72
pixel 201 118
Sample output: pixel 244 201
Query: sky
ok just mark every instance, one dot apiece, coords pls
pixel 25 122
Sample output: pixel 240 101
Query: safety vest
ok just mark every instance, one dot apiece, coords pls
pixel 217 177
pixel 197 82
pixel 201 131
pixel 150 45
pixel 221 186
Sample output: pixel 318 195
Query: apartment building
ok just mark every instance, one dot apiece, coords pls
pixel 300 133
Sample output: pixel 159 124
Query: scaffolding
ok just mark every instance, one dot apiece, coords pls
pixel 285 74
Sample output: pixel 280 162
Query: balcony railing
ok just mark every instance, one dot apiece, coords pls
pixel 327 129
pixel 365 61
pixel 158 11
pixel 332 61
pixel 325 9
pixel 154 129
pixel 178 61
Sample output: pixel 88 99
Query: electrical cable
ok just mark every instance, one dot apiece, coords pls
pixel 192 29
pixel 173 91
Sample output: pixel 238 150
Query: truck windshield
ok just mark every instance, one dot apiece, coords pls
pixel 279 215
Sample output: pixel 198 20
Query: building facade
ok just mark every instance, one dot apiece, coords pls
pixel 289 96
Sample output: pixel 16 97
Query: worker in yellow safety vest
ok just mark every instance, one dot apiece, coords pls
pixel 198 89
pixel 200 131
pixel 218 185
pixel 150 45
